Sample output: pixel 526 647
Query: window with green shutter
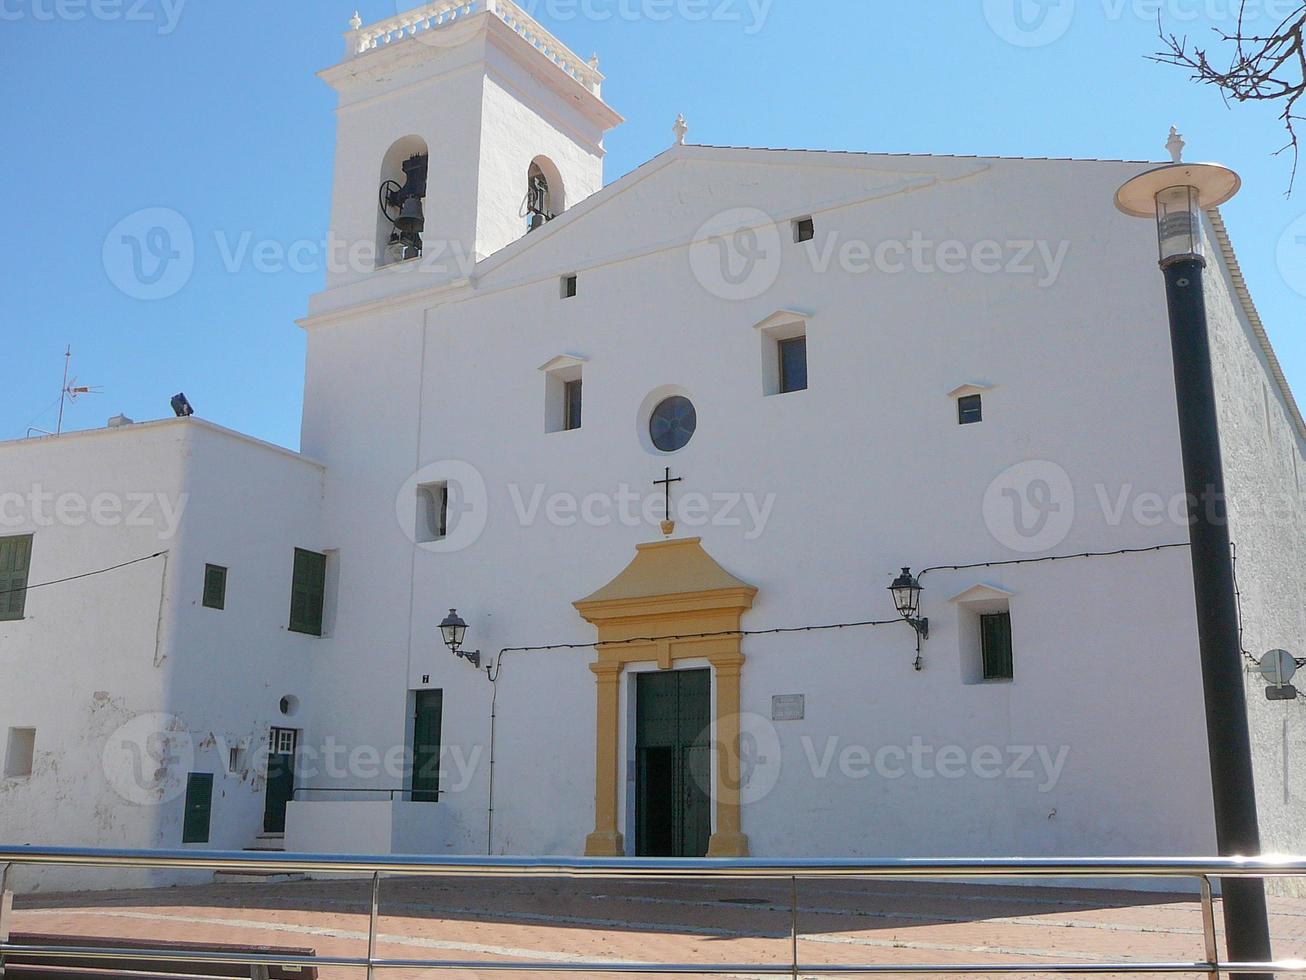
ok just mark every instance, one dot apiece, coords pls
pixel 429 708
pixel 215 587
pixel 199 808
pixel 307 592
pixel 15 561
pixel 995 635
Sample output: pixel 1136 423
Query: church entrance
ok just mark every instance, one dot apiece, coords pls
pixel 673 763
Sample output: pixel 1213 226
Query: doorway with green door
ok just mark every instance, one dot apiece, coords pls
pixel 673 763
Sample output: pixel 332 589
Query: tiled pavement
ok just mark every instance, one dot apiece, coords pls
pixel 840 922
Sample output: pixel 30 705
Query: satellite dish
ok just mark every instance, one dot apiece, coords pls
pixel 1279 667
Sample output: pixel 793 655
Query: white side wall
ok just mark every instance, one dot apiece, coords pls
pixel 1265 476
pixel 129 681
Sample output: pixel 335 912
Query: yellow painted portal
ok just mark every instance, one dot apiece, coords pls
pixel 671 589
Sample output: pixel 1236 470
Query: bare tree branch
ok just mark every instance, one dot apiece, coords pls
pixel 1268 67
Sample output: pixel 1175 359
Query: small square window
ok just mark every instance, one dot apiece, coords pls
pixel 19 752
pixel 432 512
pixel 995 643
pixel 569 286
pixel 235 759
pixel 970 409
pixel 793 364
pixel 215 587
pixel 804 230
pixel 572 397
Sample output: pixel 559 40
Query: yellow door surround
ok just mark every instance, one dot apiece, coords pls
pixel 672 588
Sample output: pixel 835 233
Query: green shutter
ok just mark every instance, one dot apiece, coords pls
pixel 215 587
pixel 426 746
pixel 307 592
pixel 199 808
pixel 995 632
pixel 15 562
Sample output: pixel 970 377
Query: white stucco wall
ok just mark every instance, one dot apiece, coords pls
pixel 129 681
pixel 868 469
pixel 1265 464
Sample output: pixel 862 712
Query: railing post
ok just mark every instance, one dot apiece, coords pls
pixel 371 923
pixel 6 909
pixel 1208 927
pixel 793 924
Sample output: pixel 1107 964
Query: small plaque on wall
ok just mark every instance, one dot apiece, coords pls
pixel 788 707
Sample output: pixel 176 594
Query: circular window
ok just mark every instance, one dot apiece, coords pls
pixel 672 423
pixel 289 705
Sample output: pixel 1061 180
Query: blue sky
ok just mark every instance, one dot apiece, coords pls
pixel 212 109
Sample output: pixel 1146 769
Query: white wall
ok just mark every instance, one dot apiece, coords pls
pixel 128 680
pixel 1265 466
pixel 869 472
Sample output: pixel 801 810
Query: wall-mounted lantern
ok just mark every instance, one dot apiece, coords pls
pixel 906 590
pixel 453 629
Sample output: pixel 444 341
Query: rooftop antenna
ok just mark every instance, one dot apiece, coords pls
pixel 70 390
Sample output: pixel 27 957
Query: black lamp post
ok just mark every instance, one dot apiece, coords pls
pixel 1175 195
pixel 906 590
pixel 453 629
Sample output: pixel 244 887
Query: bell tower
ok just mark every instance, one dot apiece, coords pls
pixel 461 126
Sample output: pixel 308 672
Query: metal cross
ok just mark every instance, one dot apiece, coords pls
pixel 666 485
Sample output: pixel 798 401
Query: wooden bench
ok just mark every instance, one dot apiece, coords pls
pixel 71 967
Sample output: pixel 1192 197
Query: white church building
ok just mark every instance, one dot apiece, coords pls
pixel 832 365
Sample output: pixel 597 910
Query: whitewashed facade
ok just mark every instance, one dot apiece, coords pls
pixel 927 279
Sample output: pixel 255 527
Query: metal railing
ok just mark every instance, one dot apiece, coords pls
pixel 1200 870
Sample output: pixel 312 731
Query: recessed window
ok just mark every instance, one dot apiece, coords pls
pixel 15 562
pixel 20 750
pixel 307 592
pixel 199 808
pixel 793 364
pixel 970 409
pixel 572 397
pixel 569 286
pixel 215 587
pixel 673 423
pixel 804 230
pixel 235 759
pixel 995 646
pixel 432 512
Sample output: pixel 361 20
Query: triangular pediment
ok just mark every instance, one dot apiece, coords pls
pixel 780 317
pixel 970 388
pixel 563 361
pixel 669 569
pixel 982 593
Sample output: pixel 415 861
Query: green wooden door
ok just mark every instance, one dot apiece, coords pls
pixel 426 746
pixel 199 808
pixel 673 767
pixel 281 779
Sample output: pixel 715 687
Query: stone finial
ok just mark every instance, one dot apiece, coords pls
pixel 594 61
pixel 355 22
pixel 1175 144
pixel 681 128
